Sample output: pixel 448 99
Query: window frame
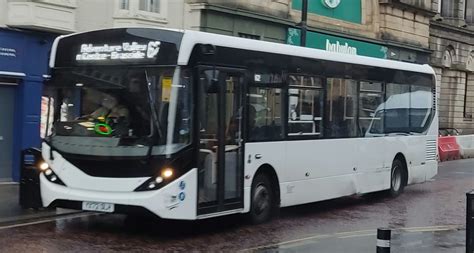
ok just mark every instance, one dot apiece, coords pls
pixel 452 9
pixel 468 116
pixel 134 10
pixel 471 20
pixel 322 89
pixel 382 93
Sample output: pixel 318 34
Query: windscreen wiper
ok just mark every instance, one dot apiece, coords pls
pixel 156 122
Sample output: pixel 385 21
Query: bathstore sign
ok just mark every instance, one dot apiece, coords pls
pixel 337 44
pixel 340 48
pixel 123 51
pixel 7 52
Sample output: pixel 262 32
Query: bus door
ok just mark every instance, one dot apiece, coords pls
pixel 220 123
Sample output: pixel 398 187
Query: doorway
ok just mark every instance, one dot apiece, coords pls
pixel 220 161
pixel 7 107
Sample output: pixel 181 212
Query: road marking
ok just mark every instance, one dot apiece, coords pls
pixel 360 233
pixel 430 228
pixel 9 183
pixel 72 216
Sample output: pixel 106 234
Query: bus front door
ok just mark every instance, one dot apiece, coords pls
pixel 220 158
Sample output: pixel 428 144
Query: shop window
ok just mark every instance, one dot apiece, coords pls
pixel 305 96
pixel 264 114
pixel 370 102
pixel 342 108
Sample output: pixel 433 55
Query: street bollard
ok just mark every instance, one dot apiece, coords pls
pixel 30 196
pixel 470 222
pixel 383 240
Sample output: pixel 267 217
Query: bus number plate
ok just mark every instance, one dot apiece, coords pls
pixel 98 207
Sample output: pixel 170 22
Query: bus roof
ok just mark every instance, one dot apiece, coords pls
pixel 191 38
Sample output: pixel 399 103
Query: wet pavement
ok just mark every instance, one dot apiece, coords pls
pixel 428 217
pixel 11 212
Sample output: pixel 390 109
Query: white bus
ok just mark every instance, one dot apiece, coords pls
pixel 191 125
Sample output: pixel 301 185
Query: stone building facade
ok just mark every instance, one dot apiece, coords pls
pixel 452 42
pixel 435 32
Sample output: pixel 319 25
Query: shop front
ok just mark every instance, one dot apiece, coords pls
pixel 23 66
pixel 352 46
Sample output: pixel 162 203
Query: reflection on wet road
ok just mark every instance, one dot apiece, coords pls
pixel 436 204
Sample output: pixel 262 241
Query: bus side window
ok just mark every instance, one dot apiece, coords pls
pixel 371 105
pixel 305 97
pixel 342 107
pixel 264 114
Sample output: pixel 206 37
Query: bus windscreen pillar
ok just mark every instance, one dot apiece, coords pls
pixel 470 222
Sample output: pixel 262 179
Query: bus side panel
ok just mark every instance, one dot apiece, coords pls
pixel 318 170
pixel 374 163
pixel 316 189
pixel 270 153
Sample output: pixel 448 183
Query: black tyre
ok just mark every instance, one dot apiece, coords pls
pixel 263 200
pixel 397 178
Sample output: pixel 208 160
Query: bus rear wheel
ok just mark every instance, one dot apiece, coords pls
pixel 397 176
pixel 263 200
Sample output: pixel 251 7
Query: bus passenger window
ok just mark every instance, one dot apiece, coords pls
pixel 305 97
pixel 370 108
pixel 421 102
pixel 264 114
pixel 342 108
pixel 397 109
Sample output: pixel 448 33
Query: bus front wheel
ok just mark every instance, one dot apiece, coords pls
pixel 397 183
pixel 263 199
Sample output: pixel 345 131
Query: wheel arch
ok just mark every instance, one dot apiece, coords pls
pixel 401 157
pixel 270 172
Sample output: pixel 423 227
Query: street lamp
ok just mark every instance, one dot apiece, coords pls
pixel 303 24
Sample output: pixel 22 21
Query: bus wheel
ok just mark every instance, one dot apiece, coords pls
pixel 263 199
pixel 397 183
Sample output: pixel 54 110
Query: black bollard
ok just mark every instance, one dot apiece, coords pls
pixel 383 240
pixel 470 222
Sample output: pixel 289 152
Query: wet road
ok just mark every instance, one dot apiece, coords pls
pixel 437 207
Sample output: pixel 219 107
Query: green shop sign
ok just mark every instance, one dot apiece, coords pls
pixel 337 44
pixel 347 10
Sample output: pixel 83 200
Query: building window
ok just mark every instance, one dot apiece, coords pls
pixel 447 8
pixel 149 6
pixel 249 36
pixel 124 4
pixel 469 12
pixel 468 108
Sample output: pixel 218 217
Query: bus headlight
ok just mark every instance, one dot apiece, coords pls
pixel 52 177
pixel 43 166
pixel 158 180
pixel 167 173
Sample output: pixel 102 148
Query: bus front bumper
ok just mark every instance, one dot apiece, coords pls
pixel 173 201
